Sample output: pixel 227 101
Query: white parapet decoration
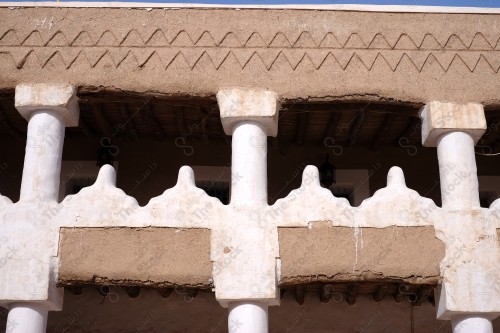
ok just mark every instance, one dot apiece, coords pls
pixel 394 205
pixel 184 206
pixel 243 251
pixel 244 243
pixel 99 205
pixel 309 203
pixel 4 202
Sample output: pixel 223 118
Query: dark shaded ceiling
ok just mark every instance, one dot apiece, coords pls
pixel 125 117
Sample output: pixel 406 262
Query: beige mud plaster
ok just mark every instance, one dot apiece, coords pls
pixel 135 256
pixel 329 254
pixel 392 211
pixel 299 54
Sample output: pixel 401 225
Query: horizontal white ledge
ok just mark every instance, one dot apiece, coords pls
pixel 336 7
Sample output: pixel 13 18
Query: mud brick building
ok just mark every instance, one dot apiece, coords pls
pixel 199 168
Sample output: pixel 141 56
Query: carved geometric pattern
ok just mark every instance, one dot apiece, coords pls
pixel 159 50
pixel 182 38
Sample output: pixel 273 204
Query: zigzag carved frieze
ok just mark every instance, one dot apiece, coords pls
pixel 158 38
pixel 268 59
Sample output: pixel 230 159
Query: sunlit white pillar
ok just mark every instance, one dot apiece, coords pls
pixel 42 160
pixel 48 108
pixel 471 324
pixel 454 129
pixel 250 116
pixel 457 170
pixel 248 317
pixel 249 164
pixel 27 318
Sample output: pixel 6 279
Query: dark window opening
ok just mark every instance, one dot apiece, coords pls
pixel 346 192
pixel 486 198
pixel 74 185
pixel 219 190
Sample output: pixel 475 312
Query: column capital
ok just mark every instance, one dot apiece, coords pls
pixel 439 118
pixel 57 98
pixel 244 104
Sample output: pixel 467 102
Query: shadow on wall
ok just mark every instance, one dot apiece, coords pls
pixel 149 312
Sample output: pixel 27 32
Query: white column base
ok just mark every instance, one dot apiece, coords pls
pixel 248 317
pixel 27 318
pixel 471 324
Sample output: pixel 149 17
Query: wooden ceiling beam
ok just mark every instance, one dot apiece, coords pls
pixel 75 290
pixel 382 131
pixel 490 141
pixel 137 120
pixel 86 130
pixel 301 129
pixel 102 122
pixel 401 292
pixel 331 127
pixel 356 126
pixel 204 124
pixel 352 293
pixel 132 291
pixel 165 292
pixel 420 296
pixel 153 123
pixel 10 129
pixel 379 294
pixel 180 122
pixel 127 122
pixel 491 133
pixel 411 133
pixel 326 293
pixel 299 294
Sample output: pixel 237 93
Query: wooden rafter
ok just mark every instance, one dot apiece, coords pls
pixel 356 126
pixel 331 128
pixel 152 122
pixel 127 121
pixel 301 130
pixel 351 294
pixel 103 123
pixel 383 130
pixel 299 294
pixel 380 293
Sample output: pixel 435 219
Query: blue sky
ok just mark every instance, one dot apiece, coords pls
pixel 456 3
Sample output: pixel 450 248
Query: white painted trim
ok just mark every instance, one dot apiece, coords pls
pixel 77 169
pixel 339 7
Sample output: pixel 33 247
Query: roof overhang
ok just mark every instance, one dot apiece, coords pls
pixel 332 7
pixel 405 54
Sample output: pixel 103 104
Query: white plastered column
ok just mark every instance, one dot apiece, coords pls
pixel 249 115
pixel 454 129
pixel 48 108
